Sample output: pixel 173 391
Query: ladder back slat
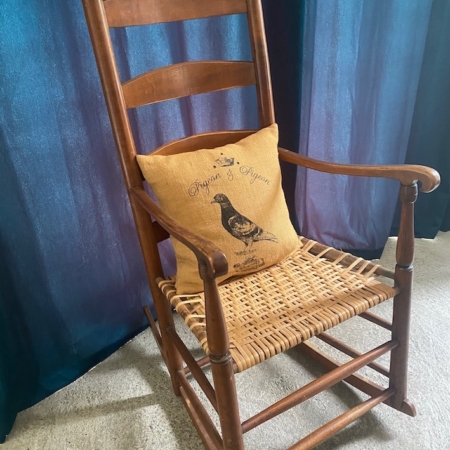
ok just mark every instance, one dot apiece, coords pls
pixel 124 13
pixel 183 79
pixel 202 141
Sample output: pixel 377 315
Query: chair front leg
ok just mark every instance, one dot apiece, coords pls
pixel 222 367
pixel 402 301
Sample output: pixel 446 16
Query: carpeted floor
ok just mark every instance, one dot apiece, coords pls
pixel 126 402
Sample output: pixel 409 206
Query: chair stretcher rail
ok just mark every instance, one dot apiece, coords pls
pixel 313 388
pixel 332 427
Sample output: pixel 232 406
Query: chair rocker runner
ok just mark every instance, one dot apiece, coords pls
pixel 253 317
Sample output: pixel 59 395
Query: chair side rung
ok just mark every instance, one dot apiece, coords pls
pixel 195 369
pixel 347 350
pixel 202 421
pixel 202 362
pixel 376 320
pixel 356 380
pixel 155 331
pixel 324 382
pixel 335 425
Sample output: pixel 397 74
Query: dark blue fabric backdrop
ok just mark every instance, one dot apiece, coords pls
pixel 429 140
pixel 72 280
pixel 374 90
pixel 362 62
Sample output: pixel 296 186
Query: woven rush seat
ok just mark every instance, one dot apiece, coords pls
pixel 277 308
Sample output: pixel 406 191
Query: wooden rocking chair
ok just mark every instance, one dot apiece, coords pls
pixel 317 273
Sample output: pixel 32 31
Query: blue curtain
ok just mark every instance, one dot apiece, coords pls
pixel 347 77
pixel 362 67
pixel 72 279
pixel 429 140
pixel 284 31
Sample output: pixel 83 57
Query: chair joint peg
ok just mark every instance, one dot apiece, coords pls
pixel 223 359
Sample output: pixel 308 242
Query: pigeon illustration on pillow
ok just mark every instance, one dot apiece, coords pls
pixel 239 226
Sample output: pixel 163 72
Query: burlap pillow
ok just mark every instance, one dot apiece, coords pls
pixel 230 195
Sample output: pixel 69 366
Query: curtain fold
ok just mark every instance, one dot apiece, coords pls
pixel 361 71
pixel 72 281
pixel 429 140
pixel 72 278
pixel 284 29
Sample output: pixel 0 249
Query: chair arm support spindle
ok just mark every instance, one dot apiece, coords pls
pixel 212 263
pixel 405 243
pixel 216 328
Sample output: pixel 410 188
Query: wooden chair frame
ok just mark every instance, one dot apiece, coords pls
pixel 153 226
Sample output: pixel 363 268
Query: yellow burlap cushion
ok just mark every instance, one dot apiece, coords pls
pixel 230 195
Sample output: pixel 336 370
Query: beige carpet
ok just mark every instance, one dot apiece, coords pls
pixel 126 401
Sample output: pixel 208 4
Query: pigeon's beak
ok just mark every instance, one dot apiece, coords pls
pixel 214 201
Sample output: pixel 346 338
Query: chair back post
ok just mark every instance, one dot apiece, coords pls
pixel 112 88
pixel 261 59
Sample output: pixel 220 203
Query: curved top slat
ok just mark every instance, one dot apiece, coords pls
pixel 125 13
pixel 189 78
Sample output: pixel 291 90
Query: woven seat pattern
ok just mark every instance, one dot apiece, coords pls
pixel 277 308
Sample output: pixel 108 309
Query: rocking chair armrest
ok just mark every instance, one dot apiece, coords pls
pixel 407 174
pixel 208 255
